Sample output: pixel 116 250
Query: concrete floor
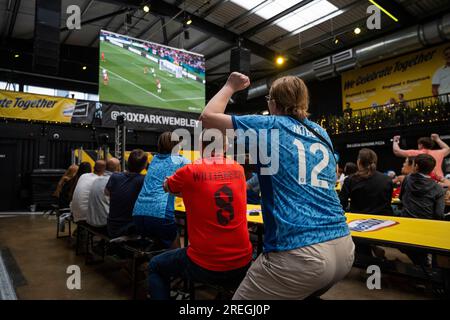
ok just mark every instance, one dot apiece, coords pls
pixel 42 261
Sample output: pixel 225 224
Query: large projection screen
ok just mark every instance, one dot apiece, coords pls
pixel 142 73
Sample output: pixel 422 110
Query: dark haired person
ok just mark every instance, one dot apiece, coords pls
pixel 219 251
pixel 369 191
pixel 350 168
pixel 421 196
pixel 153 213
pixel 123 189
pixel 80 200
pixel 425 146
pixel 407 168
pixel 307 243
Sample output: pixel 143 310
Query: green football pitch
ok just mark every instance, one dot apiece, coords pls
pixel 128 84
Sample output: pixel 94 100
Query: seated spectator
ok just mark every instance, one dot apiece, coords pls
pixel 407 168
pixel 422 197
pixel 62 192
pixel 123 189
pixel 98 207
pixel 84 167
pixel 219 251
pixel 80 200
pixel 153 213
pixel 425 146
pixel 350 168
pixel 369 191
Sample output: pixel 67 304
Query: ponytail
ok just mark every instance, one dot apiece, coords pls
pixel 367 163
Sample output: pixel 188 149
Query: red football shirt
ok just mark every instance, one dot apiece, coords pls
pixel 215 197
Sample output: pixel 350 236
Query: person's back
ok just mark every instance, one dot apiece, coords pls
pixel 98 200
pixel 371 195
pixel 153 200
pixel 214 194
pixel 300 206
pixel 123 189
pixel 80 199
pixel 154 211
pixel 421 196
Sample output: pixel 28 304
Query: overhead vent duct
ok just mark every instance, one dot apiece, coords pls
pixel 401 42
pixel 344 60
pixel 323 68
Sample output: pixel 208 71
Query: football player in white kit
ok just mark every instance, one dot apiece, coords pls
pixel 158 86
pixel 105 77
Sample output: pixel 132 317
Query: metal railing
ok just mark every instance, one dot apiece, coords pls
pixel 403 113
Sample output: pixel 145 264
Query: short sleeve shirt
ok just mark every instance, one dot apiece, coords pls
pixel 153 201
pixel 214 194
pixel 299 203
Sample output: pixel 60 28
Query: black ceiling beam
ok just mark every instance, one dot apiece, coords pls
pixel 213 8
pixel 164 30
pixel 348 7
pixel 145 30
pixel 203 15
pixel 99 18
pixel 163 8
pixel 197 43
pixel 270 22
pixel 85 9
pixel 397 10
pixel 105 27
pixel 12 21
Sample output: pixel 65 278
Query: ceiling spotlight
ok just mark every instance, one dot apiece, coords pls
pixel 84 67
pixel 16 55
pixel 280 60
pixel 335 40
pixel 146 9
pixel 357 30
pixel 188 20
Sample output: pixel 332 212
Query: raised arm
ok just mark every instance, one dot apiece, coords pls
pixel 444 147
pixel 213 116
pixel 396 148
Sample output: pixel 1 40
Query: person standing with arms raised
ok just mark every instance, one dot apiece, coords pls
pixel 307 243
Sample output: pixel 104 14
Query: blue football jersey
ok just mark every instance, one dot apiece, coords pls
pixel 299 202
pixel 153 201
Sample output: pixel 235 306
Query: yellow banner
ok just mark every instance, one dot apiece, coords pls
pixel 421 74
pixel 19 105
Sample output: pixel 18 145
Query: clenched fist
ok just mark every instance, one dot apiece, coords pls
pixel 238 81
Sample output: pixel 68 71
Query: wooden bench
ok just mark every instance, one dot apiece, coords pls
pixel 138 249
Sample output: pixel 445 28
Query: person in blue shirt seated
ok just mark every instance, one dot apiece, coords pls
pixel 123 189
pixel 307 243
pixel 153 213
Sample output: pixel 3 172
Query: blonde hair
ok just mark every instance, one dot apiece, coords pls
pixel 291 96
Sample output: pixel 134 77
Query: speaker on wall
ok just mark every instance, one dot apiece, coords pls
pixel 240 62
pixel 46 50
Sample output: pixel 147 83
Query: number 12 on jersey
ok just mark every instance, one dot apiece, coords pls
pixel 302 167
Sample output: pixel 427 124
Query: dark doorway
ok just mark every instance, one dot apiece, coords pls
pixel 8 153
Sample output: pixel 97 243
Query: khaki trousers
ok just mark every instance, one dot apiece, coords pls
pixel 299 273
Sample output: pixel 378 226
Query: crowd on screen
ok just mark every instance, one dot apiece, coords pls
pixel 307 243
pixel 179 57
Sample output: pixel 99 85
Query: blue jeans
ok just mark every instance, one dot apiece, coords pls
pixel 162 230
pixel 176 263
